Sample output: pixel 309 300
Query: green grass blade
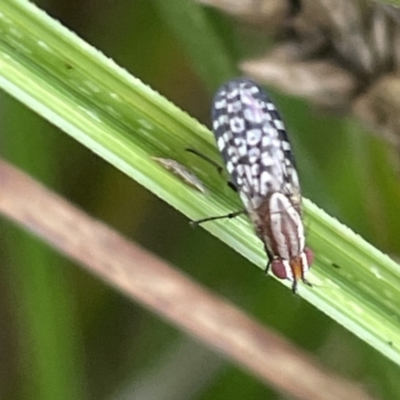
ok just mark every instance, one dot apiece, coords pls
pixel 86 95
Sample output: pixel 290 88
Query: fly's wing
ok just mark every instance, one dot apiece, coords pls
pixel 292 185
pixel 253 142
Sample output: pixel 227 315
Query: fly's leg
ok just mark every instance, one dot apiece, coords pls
pixel 213 163
pixel 227 216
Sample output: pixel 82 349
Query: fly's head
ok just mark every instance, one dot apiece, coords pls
pixel 293 269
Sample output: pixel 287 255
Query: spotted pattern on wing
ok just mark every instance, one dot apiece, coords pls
pixel 253 141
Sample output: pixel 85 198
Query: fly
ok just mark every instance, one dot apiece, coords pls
pixel 254 144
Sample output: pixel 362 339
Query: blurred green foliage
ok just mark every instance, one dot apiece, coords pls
pixel 65 335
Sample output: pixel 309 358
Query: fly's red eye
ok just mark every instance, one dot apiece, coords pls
pixel 279 269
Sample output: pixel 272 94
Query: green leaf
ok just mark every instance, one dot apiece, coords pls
pixel 89 97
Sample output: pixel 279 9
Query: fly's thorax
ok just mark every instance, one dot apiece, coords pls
pixel 295 200
pixel 280 226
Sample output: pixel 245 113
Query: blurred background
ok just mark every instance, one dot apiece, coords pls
pixel 65 335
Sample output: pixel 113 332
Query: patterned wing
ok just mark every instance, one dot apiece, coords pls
pixel 253 141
